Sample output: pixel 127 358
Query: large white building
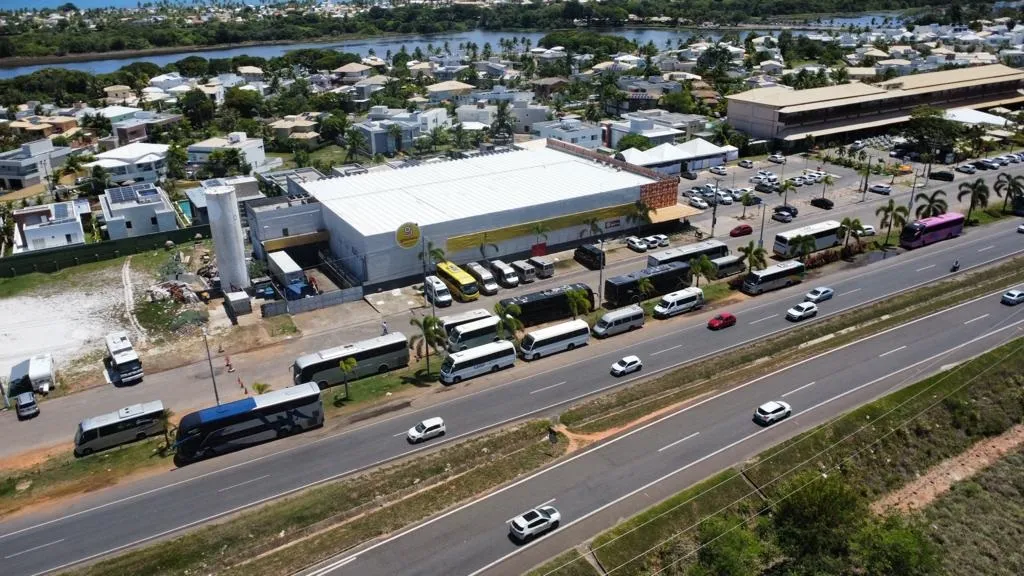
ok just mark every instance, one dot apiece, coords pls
pixel 137 210
pixel 137 162
pixel 570 131
pixel 251 148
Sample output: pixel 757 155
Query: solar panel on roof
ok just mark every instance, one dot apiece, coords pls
pixel 60 211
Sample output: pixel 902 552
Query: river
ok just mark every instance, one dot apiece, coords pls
pixel 381 45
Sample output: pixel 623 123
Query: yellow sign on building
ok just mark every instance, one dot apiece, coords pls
pixel 408 235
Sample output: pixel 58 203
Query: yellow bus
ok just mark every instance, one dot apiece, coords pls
pixel 462 285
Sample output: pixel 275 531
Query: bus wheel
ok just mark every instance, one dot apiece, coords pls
pixel 140 436
pixel 571 346
pixel 536 356
pixel 86 451
pixel 495 368
pixel 383 369
pixel 457 379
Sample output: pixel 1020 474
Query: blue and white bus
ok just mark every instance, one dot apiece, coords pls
pixel 243 423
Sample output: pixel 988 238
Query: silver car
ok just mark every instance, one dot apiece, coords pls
pixel 534 523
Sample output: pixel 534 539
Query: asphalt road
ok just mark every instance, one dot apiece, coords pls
pixel 677 447
pixel 108 521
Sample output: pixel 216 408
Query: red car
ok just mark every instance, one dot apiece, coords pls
pixel 741 230
pixel 723 320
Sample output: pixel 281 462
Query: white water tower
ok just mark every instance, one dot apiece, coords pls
pixel 228 242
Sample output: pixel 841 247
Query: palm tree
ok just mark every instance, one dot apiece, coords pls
pixel 356 142
pixel 395 131
pixel 754 255
pixel 850 226
pixel 591 227
pixel 784 190
pixel 99 180
pixel 827 182
pixel 978 193
pixel 484 245
pixel 747 199
pixel 432 254
pixel 540 230
pixel 71 166
pixel 431 337
pixel 932 205
pixel 438 137
pixel 1009 187
pixel 640 214
pixel 503 124
pixel 702 267
pixel 261 387
pixel 579 302
pixel 347 365
pixel 508 320
pixel 803 246
pixel 165 421
pixel 862 155
pixel 645 287
pixel 892 215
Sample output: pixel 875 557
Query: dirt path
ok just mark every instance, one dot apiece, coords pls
pixel 938 479
pixel 129 297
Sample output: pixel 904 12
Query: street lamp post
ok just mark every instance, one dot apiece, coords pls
pixel 209 359
pixel 760 240
pixel 600 276
pixel 714 207
pixel 423 247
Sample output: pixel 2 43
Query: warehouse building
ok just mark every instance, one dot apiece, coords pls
pixel 498 199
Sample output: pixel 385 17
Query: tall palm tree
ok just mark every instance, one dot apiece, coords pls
pixel 746 199
pixel 592 227
pixel 431 337
pixel 395 131
pixel 701 267
pixel 640 214
pixel 1009 187
pixel 509 323
pixel 850 227
pixel 431 254
pixel 978 193
pixel 438 137
pixel 645 287
pixel 165 420
pixel 540 230
pixel 784 189
pixel 503 123
pixel 579 302
pixel 355 141
pixel 931 205
pixel 862 155
pixel 827 182
pixel 755 256
pixel 892 215
pixel 803 246
pixel 347 365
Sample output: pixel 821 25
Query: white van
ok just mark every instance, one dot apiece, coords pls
pixel 678 302
pixel 544 266
pixel 435 291
pixel 526 272
pixel 554 339
pixel 473 334
pixel 619 321
pixel 506 276
pixel 484 278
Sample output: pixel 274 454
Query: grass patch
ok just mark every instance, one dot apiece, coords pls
pixel 378 386
pixel 287 158
pixel 984 514
pixel 988 216
pixel 570 563
pixel 66 475
pixel 332 154
pixel 280 326
pixel 165 317
pixel 325 520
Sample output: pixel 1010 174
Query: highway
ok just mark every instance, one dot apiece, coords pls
pixel 108 521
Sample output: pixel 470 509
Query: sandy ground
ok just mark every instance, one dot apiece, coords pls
pixel 938 480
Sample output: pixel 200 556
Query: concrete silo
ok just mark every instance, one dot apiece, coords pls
pixel 228 242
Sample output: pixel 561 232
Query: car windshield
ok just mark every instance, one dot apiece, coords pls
pixel 420 427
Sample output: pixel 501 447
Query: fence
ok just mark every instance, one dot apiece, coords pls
pixel 311 303
pixel 56 259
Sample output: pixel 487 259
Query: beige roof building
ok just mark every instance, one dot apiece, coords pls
pixel 351 67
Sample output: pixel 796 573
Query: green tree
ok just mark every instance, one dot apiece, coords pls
pixel 540 230
pixel 933 204
pixel 430 254
pixel 197 107
pixel 509 323
pixel 438 137
pixel 640 214
pixel 784 189
pixel 165 422
pixel 803 246
pixel 815 515
pixel 850 227
pixel 347 365
pixel 746 199
pixel 395 132
pixel 895 545
pixel 591 227
pixel 638 141
pixel 892 215
pixel 261 387
pixel 978 193
pixel 827 182
pixel 484 245
pixel 99 180
pixel 247 103
pixel 727 548
pixel 681 102
pixel 431 337
pixel 177 159
pixel 755 256
pixel 334 127
pixel 701 267
pixel 579 302
pixel 1010 188
pixel 355 141
pixel 645 287
pixel 503 124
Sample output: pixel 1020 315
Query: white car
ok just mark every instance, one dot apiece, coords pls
pixel 772 412
pixel 720 170
pixel 1013 297
pixel 758 179
pixel 866 230
pixel 813 177
pixel 1020 229
pixel 966 169
pixel 626 365
pixel 857 145
pixel 724 198
pixel 425 430
pixel 661 238
pixel 534 522
pixel 746 164
pixel 802 311
pixel 819 294
pixel 698 203
pixel 880 188
pixel 737 193
pixel 636 244
pixel 651 242
pixel 797 181
pixel 777 158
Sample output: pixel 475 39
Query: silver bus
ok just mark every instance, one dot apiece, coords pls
pixel 452 322
pixel 473 334
pixel 131 423
pixel 618 321
pixel 728 266
pixel 776 276
pixel 373 356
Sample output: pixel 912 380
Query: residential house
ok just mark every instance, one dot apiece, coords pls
pixel 140 127
pixel 31 164
pixel 352 72
pixel 137 210
pixel 118 113
pixel 246 188
pixel 898 66
pixel 771 67
pixel 458 92
pixel 481 112
pixel 646 127
pixel 251 73
pixel 49 225
pixel 214 92
pixel 251 149
pixel 688 124
pixel 572 131
pixel 545 87
pixel 367 86
pixel 501 94
pixel 137 162
pixel 296 128
pixel 44 126
pixel 379 139
pixel 527 114
pixel 421 69
pixel 375 62
pixel 167 81
pixel 119 94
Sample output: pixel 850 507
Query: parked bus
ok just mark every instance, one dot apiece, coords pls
pixel 476 361
pixel 776 276
pixel 712 248
pixel 125 366
pixel 544 264
pixel 504 273
pixel 555 339
pixel 373 356
pixel 131 423
pixel 728 266
pixel 473 334
pixel 247 422
pixel 619 321
pixel 547 305
pixel 625 289
pixel 930 230
pixel 826 235
pixel 459 283
pixel 484 279
pixel 525 271
pixel 590 256
pixel 449 323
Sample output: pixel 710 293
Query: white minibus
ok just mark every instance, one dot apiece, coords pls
pixel 505 274
pixel 558 338
pixel 678 302
pixel 484 278
pixel 476 361
pixel 618 321
pixel 473 334
pixel 544 265
pixel 526 272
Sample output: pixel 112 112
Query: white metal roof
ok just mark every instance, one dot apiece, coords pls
pixel 379 202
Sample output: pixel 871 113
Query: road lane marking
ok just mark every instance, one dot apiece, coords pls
pixel 244 483
pixel 848 292
pixel 795 390
pixel 765 318
pixel 333 566
pixel 925 268
pixel 548 387
pixel 986 248
pixel 893 351
pixel 399 434
pixel 680 441
pixel 33 549
pixel 982 317
pixel 545 503
pixel 666 350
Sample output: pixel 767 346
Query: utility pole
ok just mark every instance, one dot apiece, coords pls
pixel 867 173
pixel 714 207
pixel 913 191
pixel 209 359
pixel 423 247
pixel 600 277
pixel 760 240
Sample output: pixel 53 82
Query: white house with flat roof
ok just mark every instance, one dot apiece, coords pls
pixel 571 131
pixel 117 113
pixel 30 164
pixel 136 162
pixel 48 226
pixel 646 127
pixel 251 148
pixel 137 210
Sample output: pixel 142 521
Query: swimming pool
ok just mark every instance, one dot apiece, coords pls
pixel 185 207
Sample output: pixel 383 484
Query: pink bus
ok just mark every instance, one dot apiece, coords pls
pixel 931 230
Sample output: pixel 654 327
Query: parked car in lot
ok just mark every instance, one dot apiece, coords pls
pixel 720 170
pixel 688 175
pixel 626 365
pixel 723 320
pixel 25 406
pixel 819 294
pixel 987 164
pixel 534 523
pixel 865 230
pixel 777 158
pixel 771 412
pixel 1001 160
pixel 802 311
pixel 746 164
pixel 698 203
pixel 754 201
pixel 766 188
pixel 741 230
pixel 661 238
pixel 426 430
pixel 1013 297
pixel 857 145
pixel 723 198
pixel 1020 229
pixel 797 181
pixel 879 188
pixel 823 203
pixel 942 175
pixel 636 244
pixel 651 242
pixel 966 169
pixel 787 208
pixel 784 217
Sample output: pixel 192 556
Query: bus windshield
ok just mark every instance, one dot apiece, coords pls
pixel 912 231
pixel 468 288
pixel 446 366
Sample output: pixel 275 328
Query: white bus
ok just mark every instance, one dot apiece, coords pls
pixel 618 321
pixel 484 278
pixel 450 323
pixel 476 361
pixel 776 276
pixel 125 366
pixel 825 234
pixel 712 248
pixel 547 341
pixel 506 276
pixel 373 356
pixel 131 423
pixel 473 334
